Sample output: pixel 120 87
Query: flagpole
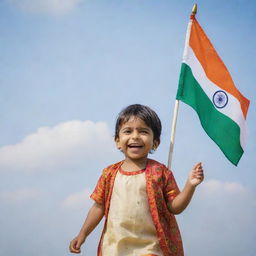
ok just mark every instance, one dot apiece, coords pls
pixel 173 131
pixel 175 112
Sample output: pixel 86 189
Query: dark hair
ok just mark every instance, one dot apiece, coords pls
pixel 145 113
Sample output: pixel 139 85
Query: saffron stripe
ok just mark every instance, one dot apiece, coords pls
pixel 212 64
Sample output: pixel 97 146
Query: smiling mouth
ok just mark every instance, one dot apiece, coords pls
pixel 134 146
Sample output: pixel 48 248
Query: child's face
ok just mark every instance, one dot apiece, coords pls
pixel 136 139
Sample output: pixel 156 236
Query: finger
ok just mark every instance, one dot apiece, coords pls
pixel 199 171
pixel 200 176
pixel 198 165
pixel 73 248
pixel 78 245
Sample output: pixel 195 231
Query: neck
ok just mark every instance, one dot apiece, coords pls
pixel 131 165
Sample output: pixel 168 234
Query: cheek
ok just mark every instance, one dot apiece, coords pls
pixel 122 140
pixel 149 142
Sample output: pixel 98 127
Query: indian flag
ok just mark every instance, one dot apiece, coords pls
pixel 206 85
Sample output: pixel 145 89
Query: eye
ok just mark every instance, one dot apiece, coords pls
pixel 144 132
pixel 127 131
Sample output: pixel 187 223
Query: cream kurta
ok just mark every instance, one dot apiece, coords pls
pixel 130 230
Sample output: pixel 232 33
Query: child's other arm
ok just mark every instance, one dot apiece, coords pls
pixel 181 201
pixel 93 218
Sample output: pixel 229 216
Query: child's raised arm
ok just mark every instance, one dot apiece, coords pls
pixel 181 201
pixel 93 218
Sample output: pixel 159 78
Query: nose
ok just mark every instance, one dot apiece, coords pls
pixel 135 135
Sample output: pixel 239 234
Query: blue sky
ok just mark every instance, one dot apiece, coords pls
pixel 67 68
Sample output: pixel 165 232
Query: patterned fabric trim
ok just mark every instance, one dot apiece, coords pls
pixel 131 173
pixel 149 255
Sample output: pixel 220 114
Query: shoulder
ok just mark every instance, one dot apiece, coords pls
pixel 157 166
pixel 107 171
pixel 158 169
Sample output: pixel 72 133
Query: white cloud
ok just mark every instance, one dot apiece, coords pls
pixel 20 195
pixel 213 187
pixel 52 7
pixel 78 200
pixel 67 144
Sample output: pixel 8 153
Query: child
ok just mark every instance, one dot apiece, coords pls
pixel 138 196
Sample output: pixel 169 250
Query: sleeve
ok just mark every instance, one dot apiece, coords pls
pixel 98 194
pixel 171 188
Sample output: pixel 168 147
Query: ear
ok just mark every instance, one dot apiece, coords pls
pixel 155 144
pixel 118 143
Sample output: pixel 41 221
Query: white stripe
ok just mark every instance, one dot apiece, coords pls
pixel 233 109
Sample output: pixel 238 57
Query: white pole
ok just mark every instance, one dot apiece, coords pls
pixel 173 131
pixel 176 107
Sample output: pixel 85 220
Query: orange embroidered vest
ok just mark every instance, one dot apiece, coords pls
pixel 161 190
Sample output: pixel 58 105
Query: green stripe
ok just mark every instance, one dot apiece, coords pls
pixel 221 129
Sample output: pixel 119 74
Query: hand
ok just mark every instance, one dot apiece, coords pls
pixel 196 176
pixel 76 243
